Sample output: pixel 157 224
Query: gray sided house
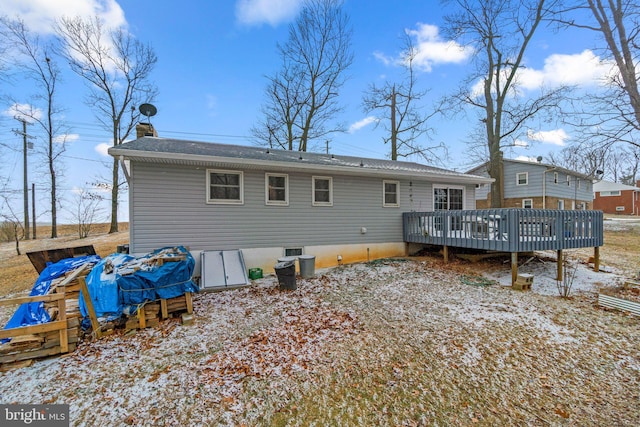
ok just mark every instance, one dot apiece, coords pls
pixel 272 203
pixel 537 186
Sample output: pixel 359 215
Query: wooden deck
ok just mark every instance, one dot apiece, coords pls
pixel 507 230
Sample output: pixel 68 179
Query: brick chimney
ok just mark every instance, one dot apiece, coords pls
pixel 145 129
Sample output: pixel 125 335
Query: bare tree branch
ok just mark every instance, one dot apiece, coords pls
pixel 302 97
pixel 400 114
pixel 500 32
pixel 116 68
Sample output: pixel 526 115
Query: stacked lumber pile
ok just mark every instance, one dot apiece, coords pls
pixel 150 314
pixel 60 335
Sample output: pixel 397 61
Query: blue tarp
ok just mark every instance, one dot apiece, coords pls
pixel 34 313
pixel 121 282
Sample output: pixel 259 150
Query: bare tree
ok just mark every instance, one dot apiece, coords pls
pixel 583 158
pixel 401 116
pixel 302 96
pixel 37 60
pixel 11 225
pixel 87 211
pixel 614 115
pixel 116 68
pixel 500 32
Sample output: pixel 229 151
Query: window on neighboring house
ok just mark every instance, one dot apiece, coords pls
pixel 555 177
pixel 579 183
pixel 568 180
pixel 322 191
pixel 277 189
pixel 522 178
pixel 610 193
pixel 391 194
pixel 224 187
pixel 527 203
pixel 561 204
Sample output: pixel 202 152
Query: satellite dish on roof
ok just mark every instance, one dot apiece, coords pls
pixel 539 159
pixel 148 110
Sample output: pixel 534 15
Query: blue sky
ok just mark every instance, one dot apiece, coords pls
pixel 213 58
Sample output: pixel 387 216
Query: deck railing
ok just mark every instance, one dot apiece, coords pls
pixel 508 230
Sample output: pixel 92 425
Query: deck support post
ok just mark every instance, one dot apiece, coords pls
pixel 596 259
pixel 514 267
pixel 445 252
pixel 559 258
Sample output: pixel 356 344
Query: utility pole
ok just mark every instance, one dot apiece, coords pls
pixel 25 184
pixel 33 208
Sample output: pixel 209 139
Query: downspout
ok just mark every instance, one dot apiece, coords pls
pixel 124 168
pixel 544 186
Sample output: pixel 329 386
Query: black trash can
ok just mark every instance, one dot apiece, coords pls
pixel 286 272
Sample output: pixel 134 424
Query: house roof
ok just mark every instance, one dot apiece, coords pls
pixel 544 165
pixel 612 186
pixel 181 152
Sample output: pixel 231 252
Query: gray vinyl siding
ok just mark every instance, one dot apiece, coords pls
pixel 534 187
pixel 534 184
pixel 168 207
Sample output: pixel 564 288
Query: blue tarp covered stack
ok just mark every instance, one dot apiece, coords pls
pixel 34 313
pixel 120 283
pixel 117 285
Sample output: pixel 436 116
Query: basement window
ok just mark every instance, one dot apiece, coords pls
pixel 293 251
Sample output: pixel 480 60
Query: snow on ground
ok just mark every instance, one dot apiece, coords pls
pixel 543 267
pixel 257 355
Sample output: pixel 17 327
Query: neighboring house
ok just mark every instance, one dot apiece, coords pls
pixel 271 203
pixel 615 198
pixel 537 186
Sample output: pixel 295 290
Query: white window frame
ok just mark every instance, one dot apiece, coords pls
pixel 524 202
pixel 612 193
pixel 384 194
pixel 269 202
pixel 526 178
pixel 555 177
pixel 211 201
pixel 579 183
pixel 561 205
pixel 448 187
pixel 313 191
pixel 568 181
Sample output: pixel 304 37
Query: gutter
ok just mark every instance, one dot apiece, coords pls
pixel 204 160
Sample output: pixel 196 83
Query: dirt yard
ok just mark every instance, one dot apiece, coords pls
pixel 392 342
pixel 17 275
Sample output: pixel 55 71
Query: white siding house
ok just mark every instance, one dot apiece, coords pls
pixel 270 203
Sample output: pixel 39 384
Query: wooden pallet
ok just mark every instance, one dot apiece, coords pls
pixel 150 314
pixel 58 336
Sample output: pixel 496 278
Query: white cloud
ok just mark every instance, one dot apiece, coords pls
pixel 584 68
pixel 272 12
pixel 67 137
pixel 102 149
pixel 362 123
pixel 520 143
pixel 39 15
pixel 386 60
pixel 553 137
pixel 26 112
pixel 433 50
pixel 527 159
pixel 580 69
